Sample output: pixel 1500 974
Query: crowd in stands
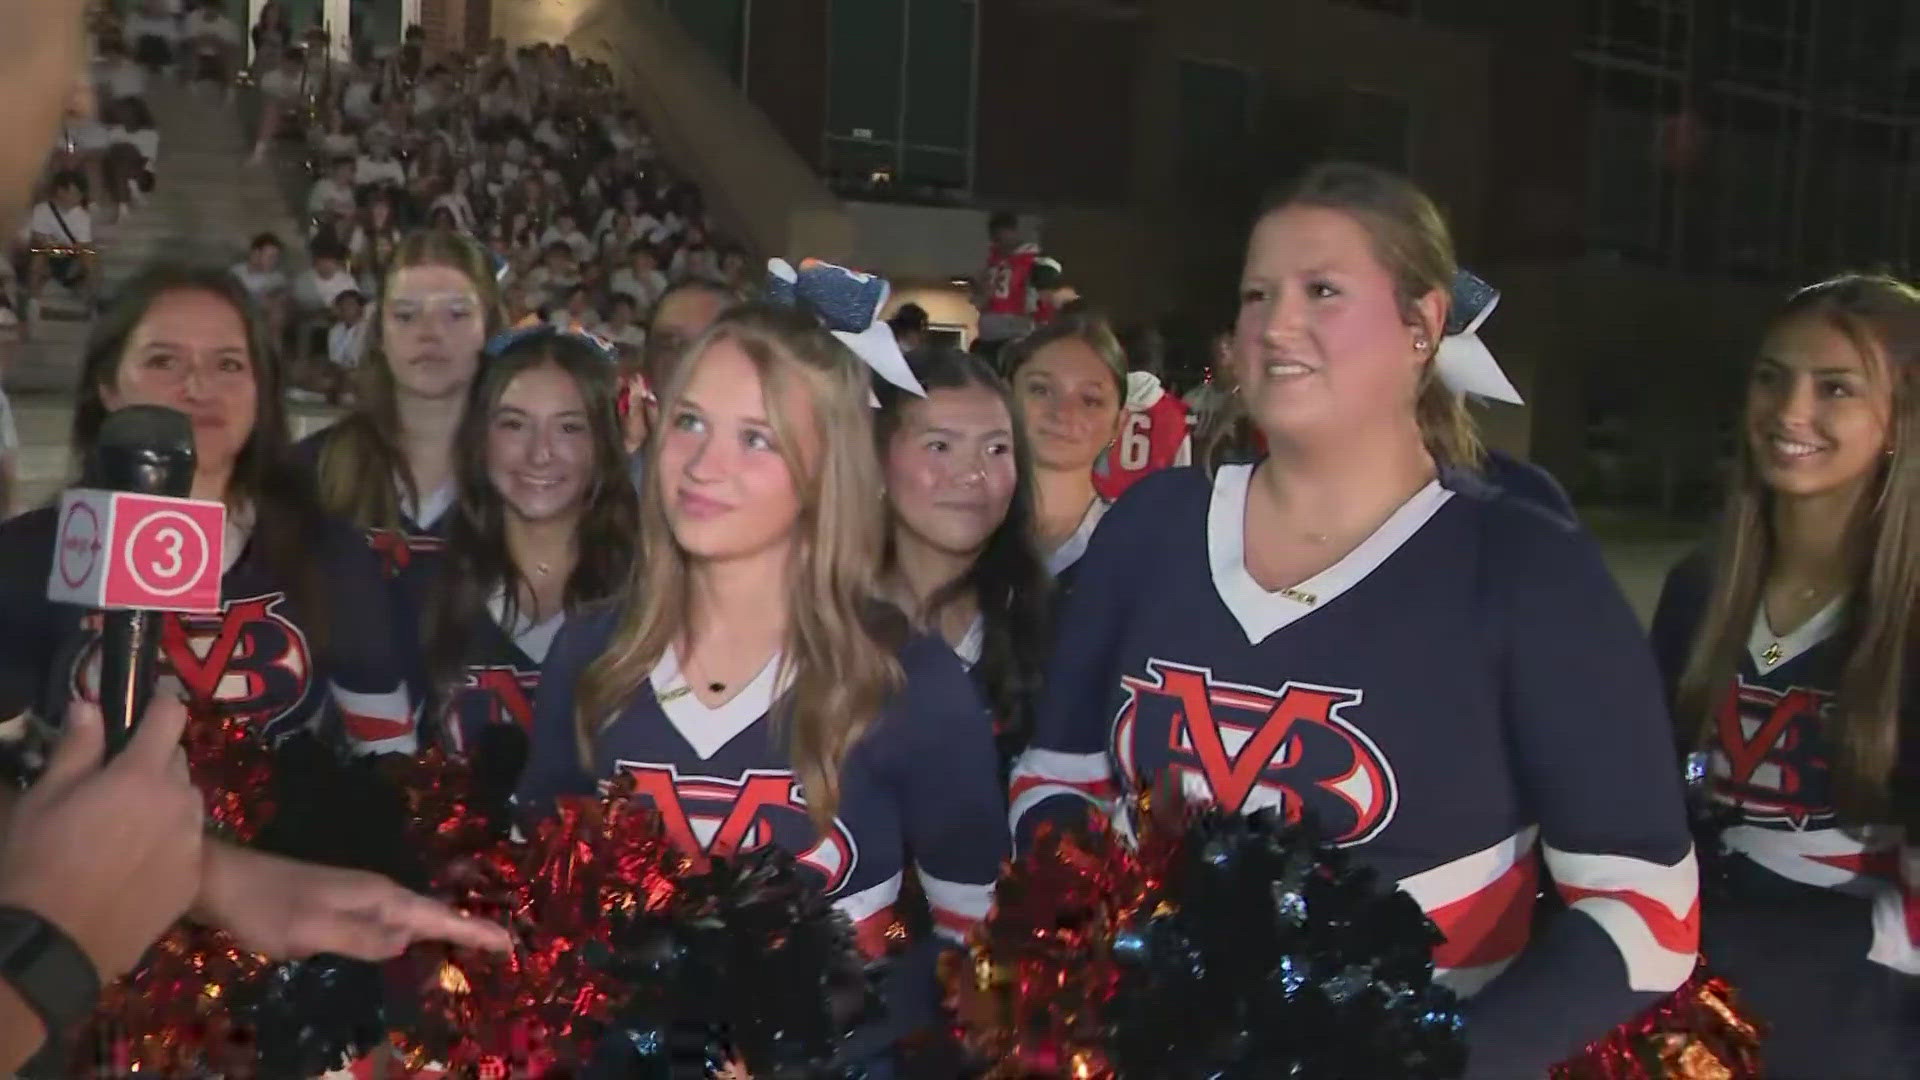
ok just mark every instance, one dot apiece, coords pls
pixel 530 151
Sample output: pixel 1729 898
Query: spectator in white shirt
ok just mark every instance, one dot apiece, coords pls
pixel 641 277
pixel 60 236
pixel 324 281
pixel 575 314
pixel 377 166
pixel 116 77
pixel 154 30
pixel 621 329
pixel 565 231
pixel 283 93
pixel 213 39
pixel 358 100
pixel 333 196
pixel 261 275
pixel 346 340
pixel 336 139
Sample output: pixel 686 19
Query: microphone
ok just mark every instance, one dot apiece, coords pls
pixel 132 545
pixel 147 449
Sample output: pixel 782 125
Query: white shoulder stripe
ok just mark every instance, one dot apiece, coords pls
pixel 869 901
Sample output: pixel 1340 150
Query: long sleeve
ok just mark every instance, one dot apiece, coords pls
pixel 1065 770
pixel 368 639
pixel 1588 732
pixel 947 784
pixel 1676 618
pixel 553 765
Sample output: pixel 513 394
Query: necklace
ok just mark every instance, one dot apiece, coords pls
pixel 1773 653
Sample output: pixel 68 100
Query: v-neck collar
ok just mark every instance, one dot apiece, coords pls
pixel 531 638
pixel 1261 613
pixel 707 730
pixel 436 503
pixel 1768 650
pixel 1074 546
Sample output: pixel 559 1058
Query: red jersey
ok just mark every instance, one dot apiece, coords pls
pixel 1155 434
pixel 1009 277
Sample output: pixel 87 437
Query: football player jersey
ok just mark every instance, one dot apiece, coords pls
pixel 1463 697
pixel 923 777
pixel 1009 277
pixel 254 659
pixel 1816 922
pixel 1157 433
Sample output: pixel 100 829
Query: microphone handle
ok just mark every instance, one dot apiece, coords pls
pixel 128 644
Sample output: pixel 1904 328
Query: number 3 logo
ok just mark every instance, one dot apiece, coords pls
pixel 172 540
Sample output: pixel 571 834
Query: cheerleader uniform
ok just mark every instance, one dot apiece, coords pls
pixel 1808 918
pixel 254 659
pixel 923 776
pixel 498 680
pixel 1464 696
pixel 1060 561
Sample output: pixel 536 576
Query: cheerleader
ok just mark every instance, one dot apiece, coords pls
pixel 752 679
pixel 1070 378
pixel 544 523
pixel 304 635
pixel 960 557
pixel 1360 628
pixel 388 466
pixel 1787 644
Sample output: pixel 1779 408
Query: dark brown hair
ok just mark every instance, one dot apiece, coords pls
pixel 478 563
pixel 286 518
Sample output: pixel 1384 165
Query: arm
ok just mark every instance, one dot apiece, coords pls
pixel 1065 772
pixel 1588 733
pixel 948 784
pixel 553 765
pixel 366 674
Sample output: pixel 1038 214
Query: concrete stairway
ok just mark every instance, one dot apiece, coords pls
pixel 208 203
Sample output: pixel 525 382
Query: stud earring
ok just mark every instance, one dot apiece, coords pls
pixel 1419 344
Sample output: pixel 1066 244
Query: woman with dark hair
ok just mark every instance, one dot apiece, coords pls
pixel 960 557
pixel 1787 645
pixel 545 522
pixel 1360 628
pixel 305 635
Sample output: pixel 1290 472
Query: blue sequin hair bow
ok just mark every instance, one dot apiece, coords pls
pixel 849 303
pixel 1463 361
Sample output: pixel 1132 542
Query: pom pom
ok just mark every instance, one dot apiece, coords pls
pixel 634 959
pixel 1222 946
pixel 1699 1032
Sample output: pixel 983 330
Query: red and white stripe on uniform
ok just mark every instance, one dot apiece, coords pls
pixel 1483 903
pixel 956 905
pixel 1039 775
pixel 379 723
pixel 1651 911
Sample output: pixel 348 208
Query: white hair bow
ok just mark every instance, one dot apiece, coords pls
pixel 1463 361
pixel 849 303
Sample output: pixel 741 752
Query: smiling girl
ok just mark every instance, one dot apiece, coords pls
pixel 544 523
pixel 1787 645
pixel 1360 628
pixel 960 556
pixel 751 678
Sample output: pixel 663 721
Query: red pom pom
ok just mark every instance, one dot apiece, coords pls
pixel 1699 1032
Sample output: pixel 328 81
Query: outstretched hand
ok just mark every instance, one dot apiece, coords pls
pixel 289 909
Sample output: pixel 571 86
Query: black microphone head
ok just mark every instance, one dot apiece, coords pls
pixel 143 448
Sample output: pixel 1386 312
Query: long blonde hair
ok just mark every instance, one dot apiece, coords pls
pixel 1881 317
pixel 359 459
pixel 839 653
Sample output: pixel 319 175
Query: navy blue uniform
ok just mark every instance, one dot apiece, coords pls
pixel 498 681
pixel 254 659
pixel 923 779
pixel 1464 696
pixel 1812 925
pixel 923 775
pixel 1529 482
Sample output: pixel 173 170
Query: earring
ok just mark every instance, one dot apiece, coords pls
pixel 1419 344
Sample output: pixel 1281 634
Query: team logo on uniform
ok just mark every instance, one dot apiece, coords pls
pixel 496 694
pixel 1247 747
pixel 249 661
pixel 1768 763
pixel 721 816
